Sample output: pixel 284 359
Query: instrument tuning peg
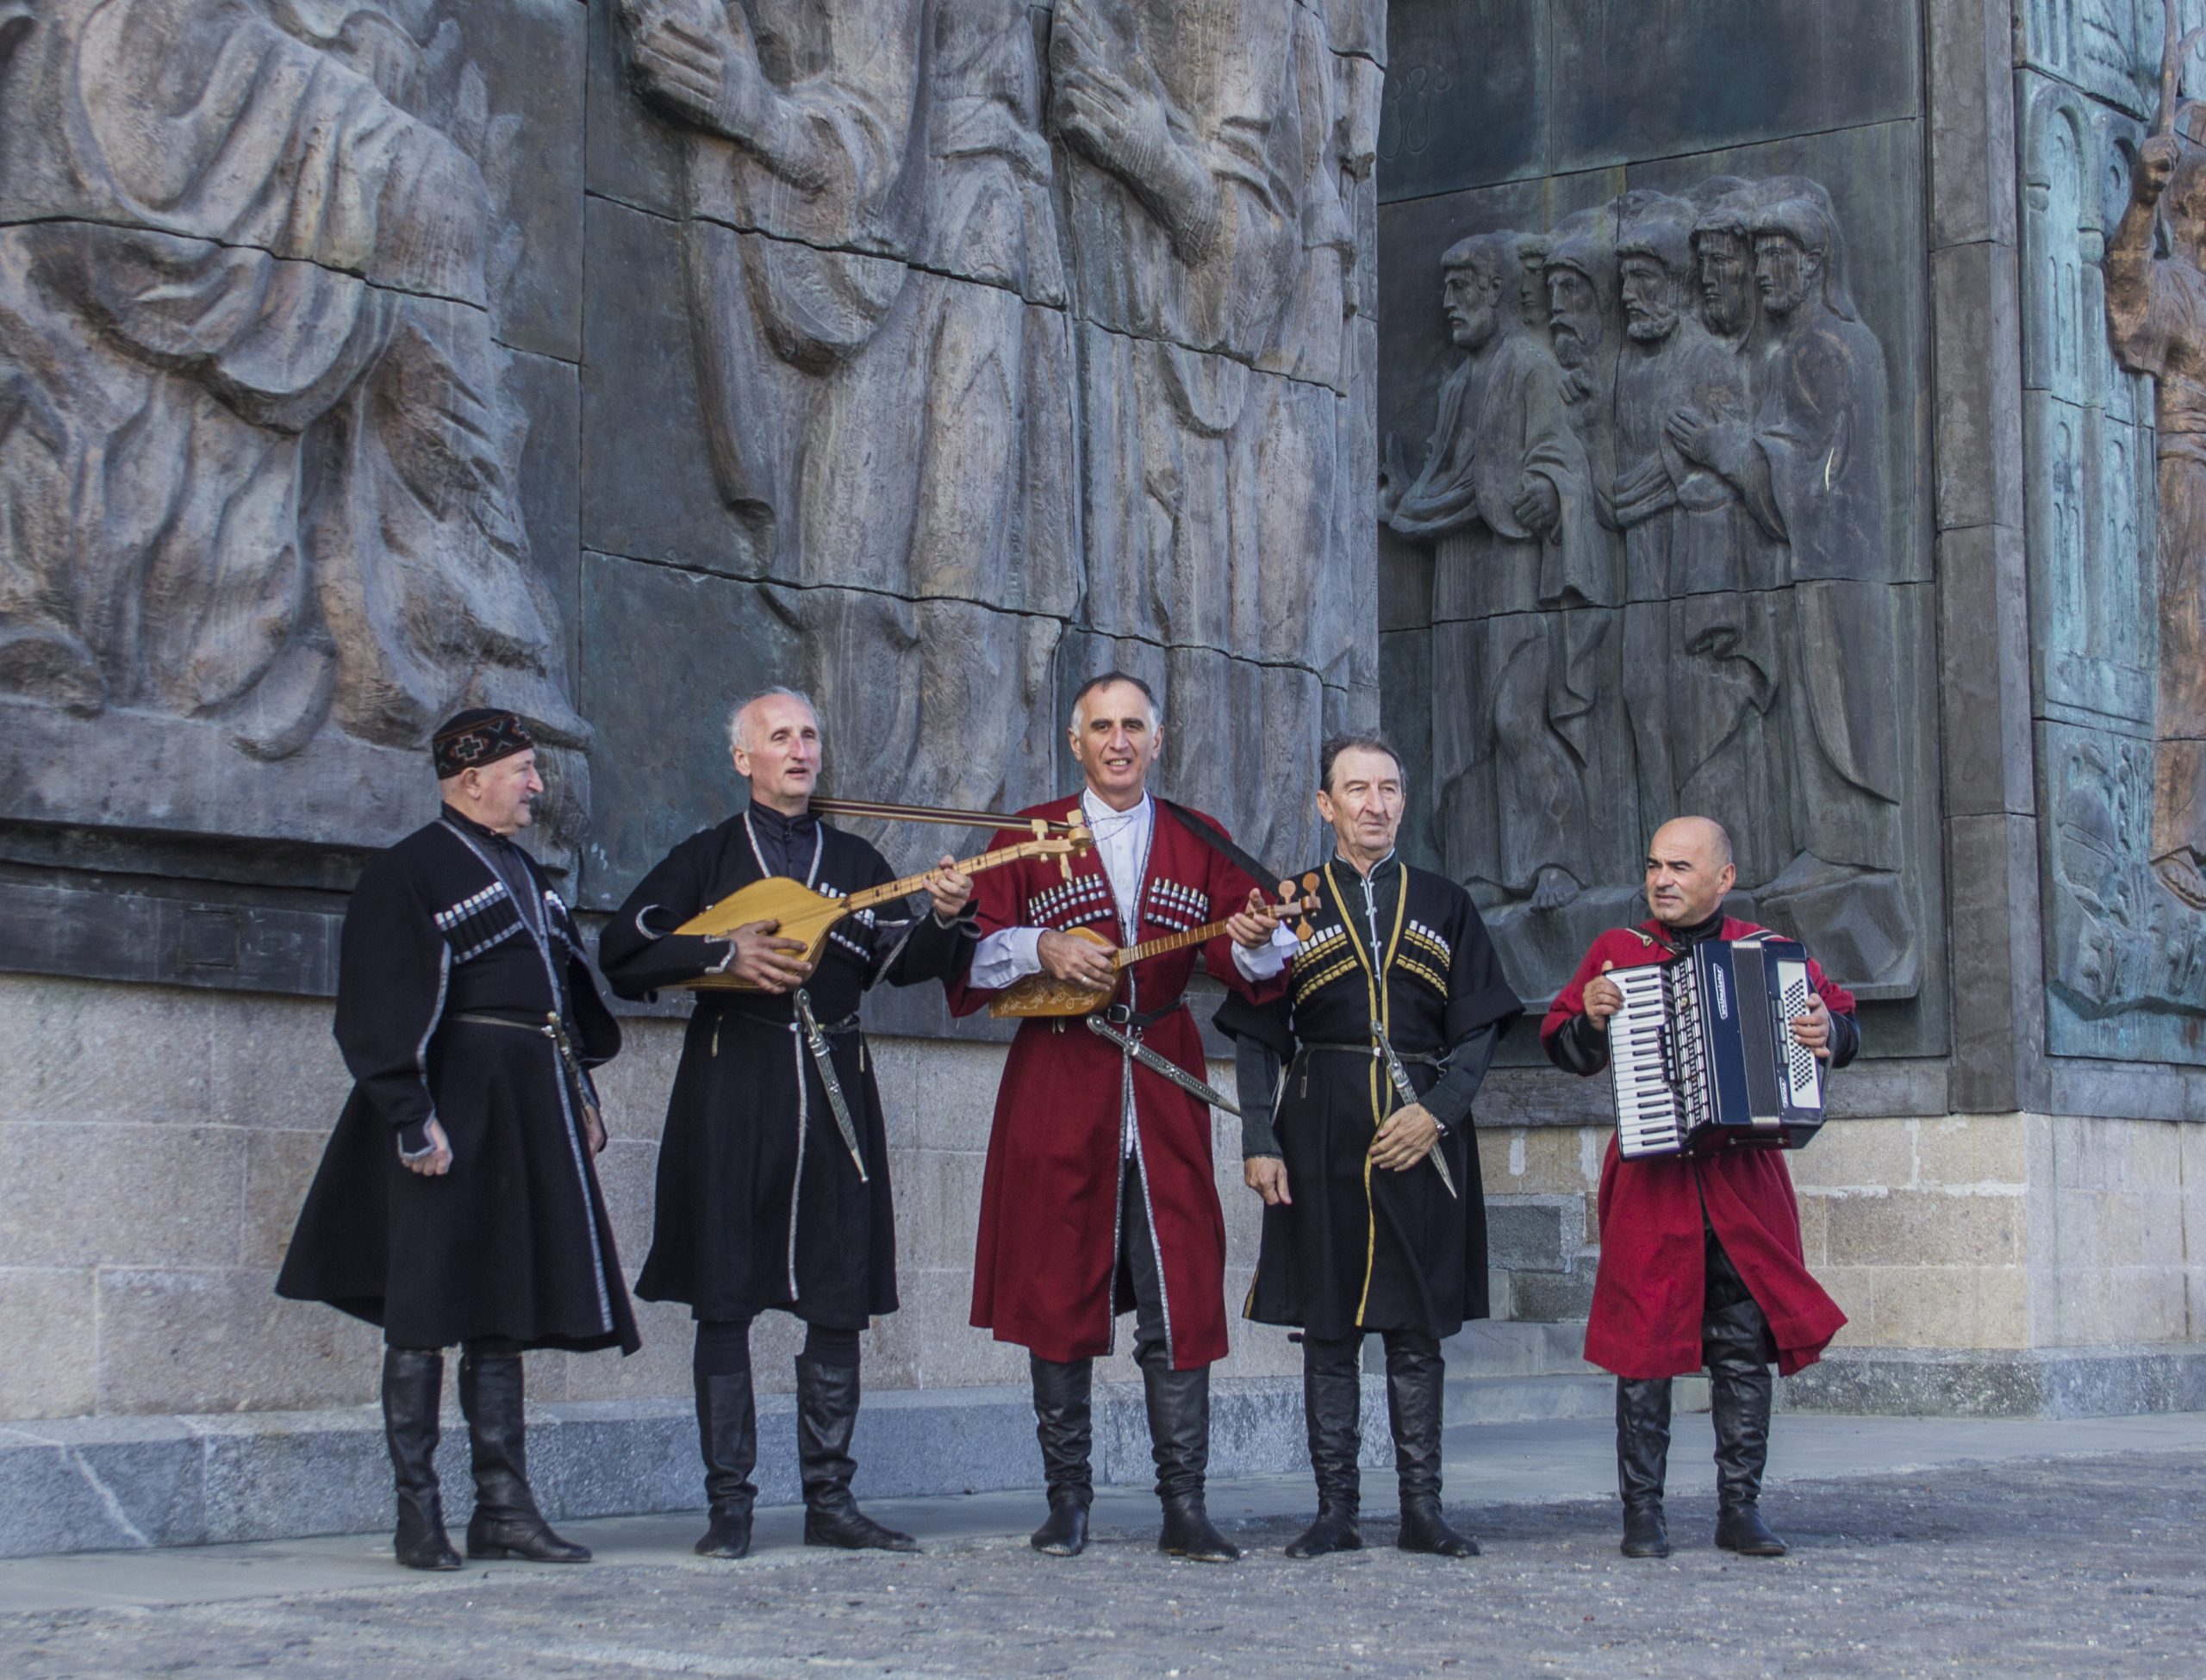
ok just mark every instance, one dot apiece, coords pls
pixel 1286 892
pixel 1302 930
pixel 1310 881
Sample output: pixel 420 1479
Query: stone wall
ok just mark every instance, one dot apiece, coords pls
pixel 158 1141
pixel 611 361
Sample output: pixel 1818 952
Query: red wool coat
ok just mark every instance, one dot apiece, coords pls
pixel 1042 1274
pixel 1648 1290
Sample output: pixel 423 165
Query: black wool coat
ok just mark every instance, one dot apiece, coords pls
pixel 759 1202
pixel 514 1240
pixel 1362 1247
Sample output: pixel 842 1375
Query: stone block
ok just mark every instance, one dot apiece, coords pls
pixel 550 482
pixel 647 486
pixel 188 1342
pixel 1998 1003
pixel 1550 1296
pixel 658 1370
pixel 627 1173
pixel 278 1168
pixel 1815 1228
pixel 50 1369
pixel 75 1051
pixel 631 155
pixel 1860 1154
pixel 938 1206
pixel 326 1473
pixel 1978 348
pixel 1984 644
pixel 531 56
pixel 117 1195
pixel 2003 1307
pixel 1972 109
pixel 1927 1306
pixel 1533 1235
pixel 272 1062
pixel 937 1095
pixel 661 774
pixel 634 1086
pixel 1926 1228
pixel 1446 57
pixel 1962 1150
pixel 79 1485
pixel 617 1458
pixel 1637 78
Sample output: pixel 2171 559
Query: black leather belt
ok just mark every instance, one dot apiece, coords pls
pixel 1371 1051
pixel 1125 1015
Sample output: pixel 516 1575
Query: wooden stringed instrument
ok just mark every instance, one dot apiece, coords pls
pixel 1045 995
pixel 795 911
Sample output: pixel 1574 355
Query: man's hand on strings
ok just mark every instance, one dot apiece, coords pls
pixel 765 961
pixel 1252 929
pixel 949 887
pixel 1081 961
pixel 1407 1138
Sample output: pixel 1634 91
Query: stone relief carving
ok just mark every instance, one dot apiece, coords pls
pixel 877 195
pixel 1696 610
pixel 257 461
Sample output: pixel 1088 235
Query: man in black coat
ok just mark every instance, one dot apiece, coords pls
pixel 457 1200
pixel 773 1174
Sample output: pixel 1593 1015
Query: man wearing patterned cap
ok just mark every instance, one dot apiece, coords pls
pixel 457 1201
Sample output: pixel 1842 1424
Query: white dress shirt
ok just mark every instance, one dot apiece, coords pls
pixel 1122 842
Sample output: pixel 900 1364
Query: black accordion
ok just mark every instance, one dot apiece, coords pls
pixel 1702 1054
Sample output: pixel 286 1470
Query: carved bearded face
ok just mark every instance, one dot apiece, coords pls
pixel 1784 272
pixel 1650 299
pixel 1727 283
pixel 1573 316
pixel 1469 297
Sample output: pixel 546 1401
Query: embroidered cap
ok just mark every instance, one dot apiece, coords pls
pixel 481 734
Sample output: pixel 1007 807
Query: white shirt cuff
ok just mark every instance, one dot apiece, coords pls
pixel 1266 961
pixel 1005 957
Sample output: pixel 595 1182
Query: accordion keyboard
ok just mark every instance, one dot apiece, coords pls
pixel 1649 1120
pixel 1801 1073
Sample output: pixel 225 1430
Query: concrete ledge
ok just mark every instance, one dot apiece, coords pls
pixel 2041 1382
pixel 77 1484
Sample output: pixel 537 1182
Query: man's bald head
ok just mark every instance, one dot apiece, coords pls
pixel 1689 870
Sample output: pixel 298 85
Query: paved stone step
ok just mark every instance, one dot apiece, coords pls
pixel 1528 1399
pixel 1509 1347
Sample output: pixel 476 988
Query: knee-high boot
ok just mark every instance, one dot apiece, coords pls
pixel 1736 1342
pixel 1179 1436
pixel 826 1418
pixel 1065 1425
pixel 413 1388
pixel 727 1434
pixel 506 1523
pixel 1643 1459
pixel 1332 1397
pixel 1417 1380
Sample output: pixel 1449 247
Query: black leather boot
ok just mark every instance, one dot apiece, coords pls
pixel 1415 1397
pixel 1179 1436
pixel 1736 1342
pixel 1332 1395
pixel 1064 1424
pixel 506 1523
pixel 727 1433
pixel 413 1388
pixel 827 1416
pixel 1642 1459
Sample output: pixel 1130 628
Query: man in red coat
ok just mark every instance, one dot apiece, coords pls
pixel 1099 1195
pixel 1701 1255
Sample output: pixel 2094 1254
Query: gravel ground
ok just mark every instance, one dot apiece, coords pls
pixel 2085 1567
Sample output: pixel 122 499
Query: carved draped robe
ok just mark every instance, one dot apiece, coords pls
pixel 253 257
pixel 1513 693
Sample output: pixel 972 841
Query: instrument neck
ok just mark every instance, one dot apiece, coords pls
pixel 1128 955
pixel 890 892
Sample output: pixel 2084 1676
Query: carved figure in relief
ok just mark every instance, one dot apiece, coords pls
pixel 1193 213
pixel 2156 307
pixel 1811 466
pixel 258 468
pixel 1506 499
pixel 1700 665
pixel 889 415
pixel 1584 325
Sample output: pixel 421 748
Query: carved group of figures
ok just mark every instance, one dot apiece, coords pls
pixel 1007 321
pixel 1656 498
pixel 953 262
